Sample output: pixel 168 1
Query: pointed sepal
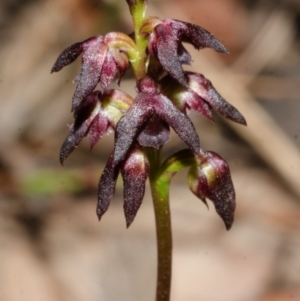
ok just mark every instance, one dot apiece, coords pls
pixel 83 120
pixel 200 37
pixel 106 187
pixel 70 54
pixel 179 121
pixel 129 126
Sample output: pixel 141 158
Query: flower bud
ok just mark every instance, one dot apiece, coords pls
pixel 211 179
pixel 134 172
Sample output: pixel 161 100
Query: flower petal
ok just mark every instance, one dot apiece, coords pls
pixel 106 187
pixel 121 60
pixel 155 133
pixel 130 124
pixel 181 124
pixel 203 87
pixel 211 179
pixel 196 103
pixel 108 72
pixel 134 172
pixel 98 127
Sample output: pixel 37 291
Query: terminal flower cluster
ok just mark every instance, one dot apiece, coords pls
pixel 144 121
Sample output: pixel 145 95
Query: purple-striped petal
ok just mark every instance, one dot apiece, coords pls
pixel 195 102
pixel 98 127
pixel 108 72
pixel 155 133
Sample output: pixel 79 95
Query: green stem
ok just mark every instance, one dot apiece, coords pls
pixel 160 194
pixel 138 11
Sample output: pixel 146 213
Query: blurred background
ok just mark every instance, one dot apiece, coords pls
pixel 51 245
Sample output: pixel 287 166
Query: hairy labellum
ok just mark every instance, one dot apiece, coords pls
pixel 155 133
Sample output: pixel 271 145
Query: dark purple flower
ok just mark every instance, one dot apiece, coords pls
pixel 150 104
pixel 210 178
pixel 104 59
pixel 134 170
pixel 203 88
pixel 200 96
pixel 165 43
pixel 98 113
